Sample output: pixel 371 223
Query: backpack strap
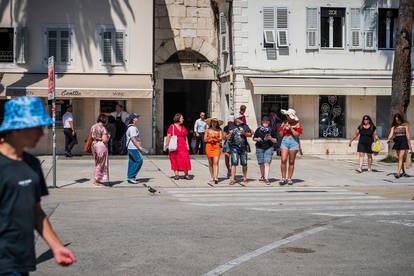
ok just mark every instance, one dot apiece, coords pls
pixel 129 137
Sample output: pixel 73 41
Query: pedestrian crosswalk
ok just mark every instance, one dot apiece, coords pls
pixel 322 201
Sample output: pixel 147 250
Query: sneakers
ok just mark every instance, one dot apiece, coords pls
pixel 283 182
pixel 132 181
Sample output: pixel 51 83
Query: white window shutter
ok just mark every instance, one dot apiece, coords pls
pixel 223 33
pixel 282 27
pixel 269 25
pixel 119 47
pixel 107 47
pixel 312 28
pixel 64 46
pixel 52 43
pixel 223 24
pixel 355 29
pixel 21 45
pixel 370 25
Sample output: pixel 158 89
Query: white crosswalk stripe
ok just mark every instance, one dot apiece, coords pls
pixel 321 201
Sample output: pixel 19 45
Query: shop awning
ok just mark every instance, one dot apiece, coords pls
pixel 321 86
pixel 78 85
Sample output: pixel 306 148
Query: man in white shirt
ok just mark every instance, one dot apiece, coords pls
pixel 120 114
pixel 69 131
pixel 200 127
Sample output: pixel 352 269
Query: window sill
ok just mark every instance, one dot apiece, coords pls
pixel 334 48
pixel 386 49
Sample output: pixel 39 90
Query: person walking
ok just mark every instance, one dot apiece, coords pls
pixel 237 137
pixel 213 138
pixel 226 144
pixel 69 131
pixel 289 130
pixel 400 131
pixel 21 211
pixel 180 158
pixel 265 137
pixel 367 133
pixel 100 142
pixel 133 144
pixel 200 127
pixel 121 121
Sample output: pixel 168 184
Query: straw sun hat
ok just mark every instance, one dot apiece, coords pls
pixel 291 113
pixel 209 120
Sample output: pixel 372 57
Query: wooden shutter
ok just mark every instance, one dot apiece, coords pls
pixel 370 25
pixel 355 29
pixel 106 47
pixel 269 25
pixel 64 46
pixel 312 28
pixel 21 45
pixel 52 43
pixel 282 27
pixel 119 47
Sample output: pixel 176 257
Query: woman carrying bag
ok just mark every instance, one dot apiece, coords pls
pixel 177 145
pixel 367 133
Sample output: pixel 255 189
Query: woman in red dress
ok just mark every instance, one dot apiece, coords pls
pixel 180 158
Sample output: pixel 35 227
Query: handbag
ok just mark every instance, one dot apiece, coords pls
pixel 376 146
pixel 173 145
pixel 87 147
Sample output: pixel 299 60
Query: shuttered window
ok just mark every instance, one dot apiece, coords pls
pixel 269 27
pixel 312 28
pixel 355 29
pixel 112 47
pixel 370 24
pixel 223 33
pixel 21 45
pixel 59 45
pixel 282 27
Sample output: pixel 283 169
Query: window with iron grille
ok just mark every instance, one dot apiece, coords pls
pixel 59 45
pixel 6 44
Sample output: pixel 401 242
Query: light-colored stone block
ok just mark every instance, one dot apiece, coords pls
pixel 188 42
pixel 203 32
pixel 205 49
pixel 188 33
pixel 189 23
pixel 203 3
pixel 176 10
pixel 190 3
pixel 205 12
pixel 192 12
pixel 205 23
pixel 197 42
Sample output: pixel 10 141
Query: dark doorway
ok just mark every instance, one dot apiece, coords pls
pixel 188 97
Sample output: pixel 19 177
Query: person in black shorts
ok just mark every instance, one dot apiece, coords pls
pixel 367 133
pixel 20 193
pixel 401 132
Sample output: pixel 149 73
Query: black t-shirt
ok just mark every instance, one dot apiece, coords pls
pixel 237 140
pixel 366 135
pixel 22 184
pixel 262 132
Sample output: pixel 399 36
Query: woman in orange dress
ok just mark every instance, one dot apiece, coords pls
pixel 213 138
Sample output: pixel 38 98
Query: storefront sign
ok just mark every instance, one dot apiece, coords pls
pixel 51 78
pixel 71 93
pixel 118 94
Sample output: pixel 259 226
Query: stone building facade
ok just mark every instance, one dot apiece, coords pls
pixel 186 60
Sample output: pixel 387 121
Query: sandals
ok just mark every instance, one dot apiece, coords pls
pixel 266 181
pixel 244 183
pixel 176 177
pixel 232 182
pixel 289 182
pixel 283 182
pixel 187 177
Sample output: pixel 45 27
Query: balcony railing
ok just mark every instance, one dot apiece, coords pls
pixel 6 56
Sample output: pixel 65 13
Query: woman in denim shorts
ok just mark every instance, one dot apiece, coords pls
pixel 290 130
pixel 265 138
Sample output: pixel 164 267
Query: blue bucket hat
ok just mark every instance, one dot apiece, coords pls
pixel 24 112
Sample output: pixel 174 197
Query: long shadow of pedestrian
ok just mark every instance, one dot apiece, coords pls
pixel 46 256
pixel 77 181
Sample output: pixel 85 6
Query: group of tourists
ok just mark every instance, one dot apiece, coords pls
pixel 231 140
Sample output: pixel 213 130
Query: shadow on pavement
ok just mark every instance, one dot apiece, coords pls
pixel 46 256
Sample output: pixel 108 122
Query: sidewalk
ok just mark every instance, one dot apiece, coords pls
pixel 310 171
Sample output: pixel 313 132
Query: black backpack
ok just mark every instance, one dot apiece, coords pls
pixel 123 149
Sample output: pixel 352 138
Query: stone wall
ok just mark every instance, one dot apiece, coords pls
pixel 184 24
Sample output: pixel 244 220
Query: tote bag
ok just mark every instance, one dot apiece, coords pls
pixel 173 142
pixel 87 147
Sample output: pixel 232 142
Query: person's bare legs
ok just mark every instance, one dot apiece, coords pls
pixel 400 154
pixel 361 160
pixel 266 170
pixel 283 162
pixel 233 174
pixel 216 167
pixel 369 161
pixel 292 157
pixel 244 174
pixel 211 168
pixel 262 170
pixel 227 162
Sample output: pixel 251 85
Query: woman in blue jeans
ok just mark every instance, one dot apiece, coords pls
pixel 290 130
pixel 134 148
pixel 265 138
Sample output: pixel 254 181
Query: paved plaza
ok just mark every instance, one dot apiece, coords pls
pixel 332 221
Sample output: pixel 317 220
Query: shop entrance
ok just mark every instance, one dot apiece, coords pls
pixel 188 97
